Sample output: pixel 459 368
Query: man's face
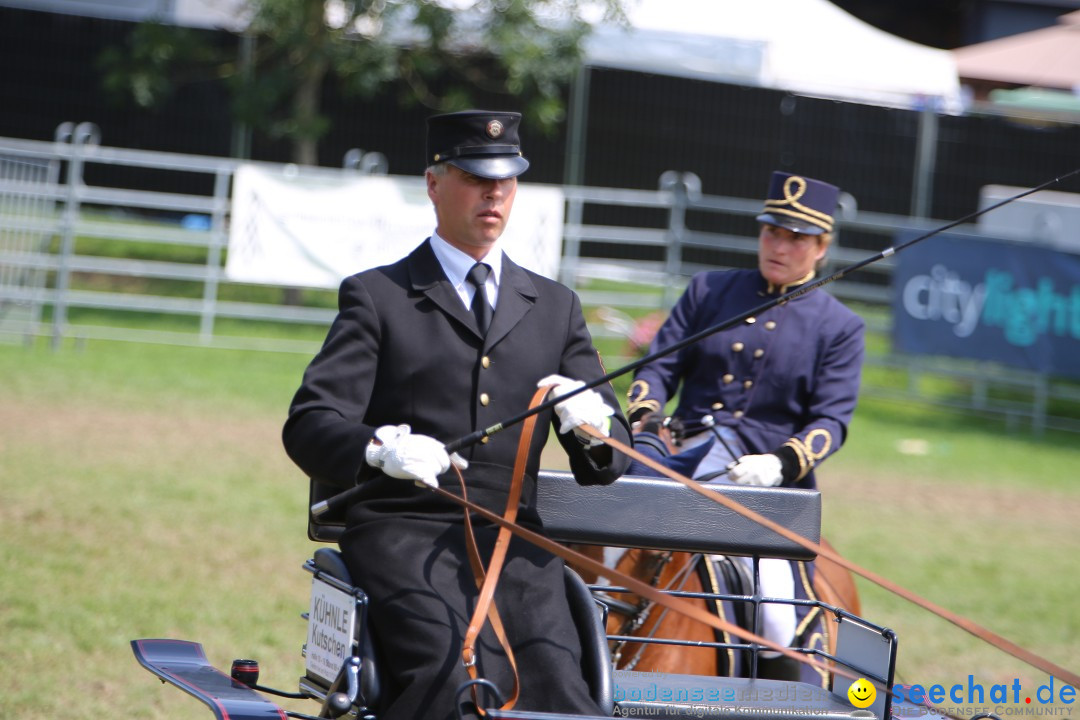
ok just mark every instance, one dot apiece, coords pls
pixel 471 211
pixel 785 256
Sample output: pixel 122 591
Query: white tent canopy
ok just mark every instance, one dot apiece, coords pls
pixel 224 14
pixel 810 47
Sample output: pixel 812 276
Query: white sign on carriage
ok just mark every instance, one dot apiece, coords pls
pixel 313 228
pixel 331 630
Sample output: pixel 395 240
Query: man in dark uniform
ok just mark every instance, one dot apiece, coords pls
pixel 425 351
pixel 779 389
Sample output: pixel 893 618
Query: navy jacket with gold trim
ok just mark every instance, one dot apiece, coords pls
pixel 788 378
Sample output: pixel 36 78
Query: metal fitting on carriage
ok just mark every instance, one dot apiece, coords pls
pixel 245 672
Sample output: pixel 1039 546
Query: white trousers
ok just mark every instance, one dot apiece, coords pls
pixel 776 622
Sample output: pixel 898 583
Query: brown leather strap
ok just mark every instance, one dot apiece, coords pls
pixel 487 581
pixel 638 587
pixel 962 622
pixel 468 652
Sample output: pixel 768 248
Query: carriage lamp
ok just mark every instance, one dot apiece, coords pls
pixel 245 672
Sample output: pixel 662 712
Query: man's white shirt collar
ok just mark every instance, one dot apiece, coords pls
pixel 456 265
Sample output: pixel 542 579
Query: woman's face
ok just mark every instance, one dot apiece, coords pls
pixel 785 256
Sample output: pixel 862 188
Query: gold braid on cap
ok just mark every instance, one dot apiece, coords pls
pixel 802 212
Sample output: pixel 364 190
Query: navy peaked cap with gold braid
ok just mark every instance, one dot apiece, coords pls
pixel 800 204
pixel 481 142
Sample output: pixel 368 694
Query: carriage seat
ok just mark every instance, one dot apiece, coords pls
pixel 661 514
pixel 649 512
pixel 658 514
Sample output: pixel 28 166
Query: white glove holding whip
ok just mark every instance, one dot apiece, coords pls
pixel 585 408
pixel 759 470
pixel 400 454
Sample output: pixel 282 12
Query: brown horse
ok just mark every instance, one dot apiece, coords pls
pixel 679 571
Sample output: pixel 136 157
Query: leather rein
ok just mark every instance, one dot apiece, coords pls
pixel 960 621
pixel 487 581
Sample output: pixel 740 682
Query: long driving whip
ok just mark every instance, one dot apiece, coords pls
pixel 478 435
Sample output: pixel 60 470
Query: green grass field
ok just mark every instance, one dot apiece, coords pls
pixel 144 493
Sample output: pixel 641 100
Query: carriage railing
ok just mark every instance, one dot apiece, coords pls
pixel 882 677
pixel 861 661
pixel 660 514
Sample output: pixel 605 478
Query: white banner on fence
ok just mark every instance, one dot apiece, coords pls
pixel 313 232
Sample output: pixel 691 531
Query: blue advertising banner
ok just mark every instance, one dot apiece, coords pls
pixel 990 300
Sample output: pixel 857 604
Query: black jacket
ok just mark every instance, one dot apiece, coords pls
pixel 405 349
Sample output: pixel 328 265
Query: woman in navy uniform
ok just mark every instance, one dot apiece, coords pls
pixel 779 389
pixel 425 351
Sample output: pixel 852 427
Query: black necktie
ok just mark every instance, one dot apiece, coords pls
pixel 478 274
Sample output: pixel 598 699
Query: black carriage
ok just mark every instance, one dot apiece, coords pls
pixel 342 667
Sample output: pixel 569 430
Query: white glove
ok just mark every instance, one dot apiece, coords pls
pixel 400 454
pixel 586 408
pixel 759 470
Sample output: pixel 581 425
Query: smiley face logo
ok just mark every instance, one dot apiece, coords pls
pixel 861 693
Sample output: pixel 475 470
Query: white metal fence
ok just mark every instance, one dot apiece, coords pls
pixel 25 200
pixel 75 259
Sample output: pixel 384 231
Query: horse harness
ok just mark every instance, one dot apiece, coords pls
pixel 637 614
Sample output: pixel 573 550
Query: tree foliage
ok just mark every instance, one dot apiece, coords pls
pixel 438 53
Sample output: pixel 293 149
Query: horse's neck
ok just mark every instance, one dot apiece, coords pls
pixel 661 569
pixel 642 564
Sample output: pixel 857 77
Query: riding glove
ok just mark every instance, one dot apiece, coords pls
pixel 759 470
pixel 585 408
pixel 400 454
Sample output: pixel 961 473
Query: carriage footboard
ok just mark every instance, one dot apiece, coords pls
pixel 666 695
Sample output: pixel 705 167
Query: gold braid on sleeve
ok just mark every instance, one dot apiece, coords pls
pixel 805 451
pixel 800 452
pixel 637 393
